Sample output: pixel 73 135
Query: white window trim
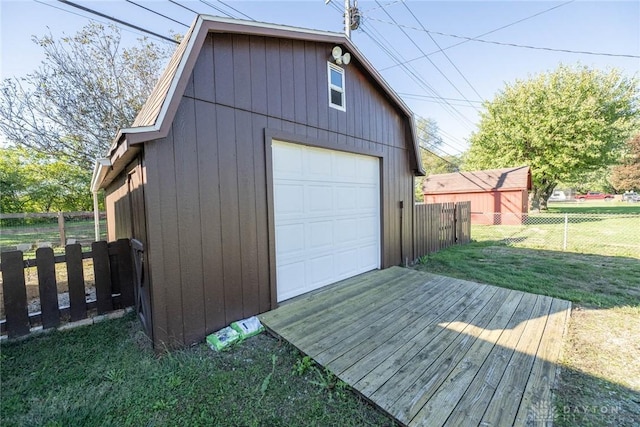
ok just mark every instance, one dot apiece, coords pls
pixel 341 90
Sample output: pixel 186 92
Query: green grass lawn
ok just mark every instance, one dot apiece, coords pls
pixel 597 228
pixel 596 207
pixel 600 379
pixel 107 375
pixel 82 230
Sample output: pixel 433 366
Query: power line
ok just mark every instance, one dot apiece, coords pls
pixel 185 7
pixel 393 53
pixel 423 52
pixel 157 13
pixel 523 46
pixel 111 18
pixel 443 52
pixel 493 31
pixel 397 57
pixel 383 6
pixel 233 8
pixel 416 95
pixel 215 8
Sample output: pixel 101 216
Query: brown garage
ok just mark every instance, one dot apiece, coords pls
pixel 260 168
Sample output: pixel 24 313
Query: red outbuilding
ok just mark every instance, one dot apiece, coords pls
pixel 498 196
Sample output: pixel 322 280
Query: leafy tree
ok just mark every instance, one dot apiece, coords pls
pixel 87 87
pixel 563 124
pixel 433 159
pixel 13 184
pixel 32 182
pixel 626 176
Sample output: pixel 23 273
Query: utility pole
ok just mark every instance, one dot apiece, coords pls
pixel 347 18
pixel 351 16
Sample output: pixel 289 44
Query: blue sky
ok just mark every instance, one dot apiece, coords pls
pixel 469 73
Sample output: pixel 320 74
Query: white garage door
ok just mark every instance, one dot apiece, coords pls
pixel 327 216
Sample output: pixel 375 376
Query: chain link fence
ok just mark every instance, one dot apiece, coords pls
pixel 602 234
pixel 29 231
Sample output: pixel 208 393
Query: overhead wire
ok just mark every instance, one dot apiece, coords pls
pixel 185 7
pixel 216 8
pixel 120 21
pixel 523 46
pixel 443 52
pixel 157 13
pixel 417 95
pixel 393 53
pixel 492 31
pixel 428 59
pixel 233 8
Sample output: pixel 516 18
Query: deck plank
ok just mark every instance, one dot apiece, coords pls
pixel 375 348
pixel 432 350
pixel 345 316
pixel 428 340
pixel 480 391
pixel 506 400
pixel 543 374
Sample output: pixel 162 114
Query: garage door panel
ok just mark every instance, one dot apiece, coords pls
pixel 346 199
pixel 290 279
pixel 366 255
pixel 320 235
pixel 344 263
pixel 318 164
pixel 320 271
pixel 346 231
pixel 319 199
pixel 327 217
pixel 289 161
pixel 290 239
pixel 289 200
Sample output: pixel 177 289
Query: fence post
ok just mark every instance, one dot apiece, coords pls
pixel 63 238
pixel 566 231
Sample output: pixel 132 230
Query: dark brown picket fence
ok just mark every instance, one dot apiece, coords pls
pixel 114 285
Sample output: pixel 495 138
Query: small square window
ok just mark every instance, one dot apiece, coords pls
pixel 336 87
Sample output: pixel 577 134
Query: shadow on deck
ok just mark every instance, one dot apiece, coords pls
pixel 432 350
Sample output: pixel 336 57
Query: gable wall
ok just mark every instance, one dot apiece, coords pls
pixel 206 191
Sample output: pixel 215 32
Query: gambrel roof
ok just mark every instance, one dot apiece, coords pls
pixel 155 118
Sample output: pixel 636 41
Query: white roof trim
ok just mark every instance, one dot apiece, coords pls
pixel 99 172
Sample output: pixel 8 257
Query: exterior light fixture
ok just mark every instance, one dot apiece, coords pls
pixel 340 59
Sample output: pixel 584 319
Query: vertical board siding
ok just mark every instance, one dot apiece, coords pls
pixel 210 220
pixel 299 82
pixel 155 250
pixel 171 262
pixel 241 67
pixel 203 73
pixel 188 216
pixel 287 87
pixel 206 182
pixel 258 75
pixel 259 124
pixel 223 69
pixel 230 213
pixel 247 214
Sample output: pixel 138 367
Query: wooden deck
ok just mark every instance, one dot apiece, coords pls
pixel 432 350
